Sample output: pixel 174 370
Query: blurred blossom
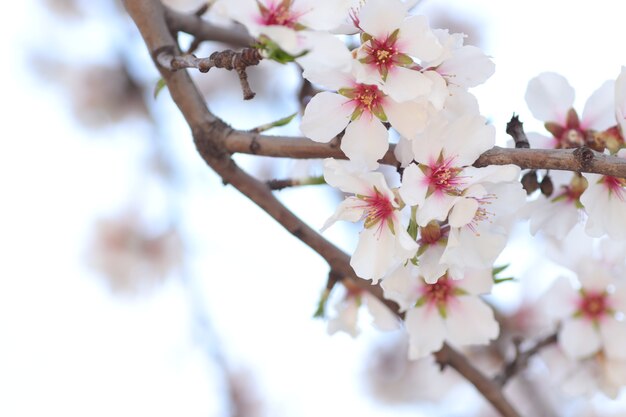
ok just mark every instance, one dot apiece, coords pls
pixel 130 256
pixel 392 378
pixel 99 94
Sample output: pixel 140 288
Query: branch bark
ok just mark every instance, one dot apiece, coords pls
pixel 211 136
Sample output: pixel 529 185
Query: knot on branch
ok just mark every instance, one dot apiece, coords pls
pixel 515 128
pixel 584 156
pixel 210 139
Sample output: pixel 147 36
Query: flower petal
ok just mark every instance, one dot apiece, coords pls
pixel 403 84
pixel 578 338
pixel 427 331
pixel 598 111
pixel 325 116
pixel 549 97
pixel 469 309
pixel 380 18
pixel 365 141
pixel 613 334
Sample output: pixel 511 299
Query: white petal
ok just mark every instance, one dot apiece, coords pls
pixel 477 281
pixel 346 176
pixel 402 286
pixel 466 310
pixel 366 140
pixel 436 207
pixel 598 111
pixel 374 253
pixel 414 186
pixel 324 14
pixel 383 318
pixel 416 39
pixel 492 173
pixel 380 18
pixel 613 334
pixel 463 212
pixel 430 267
pixel 408 118
pixel 468 67
pixel 427 331
pixel 578 338
pixel 560 300
pixel 325 116
pixel 351 209
pixel 326 53
pixel 468 137
pixel 549 97
pixel 403 84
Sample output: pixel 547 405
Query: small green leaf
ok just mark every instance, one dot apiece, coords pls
pixel 277 123
pixel 498 269
pixel 501 280
pixel 158 87
pixel 320 312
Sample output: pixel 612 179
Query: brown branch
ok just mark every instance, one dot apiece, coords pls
pixel 520 361
pixel 228 59
pixel 210 136
pixel 203 30
pixel 488 388
pixel 577 160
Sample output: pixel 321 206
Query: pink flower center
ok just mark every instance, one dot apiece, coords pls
pixel 439 293
pixel 378 210
pixel 278 13
pixel 615 186
pixel 382 54
pixel 443 177
pixel 368 97
pixel 594 305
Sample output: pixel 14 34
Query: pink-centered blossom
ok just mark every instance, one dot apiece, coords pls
pixel 590 316
pixel 383 242
pixel 360 109
pixel 550 99
pixel 392 43
pixel 444 153
pixel 446 311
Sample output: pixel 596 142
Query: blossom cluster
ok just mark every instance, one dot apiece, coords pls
pixel 432 230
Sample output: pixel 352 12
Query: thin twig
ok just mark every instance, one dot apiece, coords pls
pixel 228 59
pixel 520 361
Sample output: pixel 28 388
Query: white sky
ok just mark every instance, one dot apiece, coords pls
pixel 68 348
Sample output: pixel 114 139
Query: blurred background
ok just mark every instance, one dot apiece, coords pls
pixel 133 283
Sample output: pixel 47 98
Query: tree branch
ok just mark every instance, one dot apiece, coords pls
pixel 577 160
pixel 520 361
pixel 203 30
pixel 211 136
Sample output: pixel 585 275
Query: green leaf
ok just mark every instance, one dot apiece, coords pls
pixel 498 269
pixel 501 280
pixel 277 123
pixel 320 312
pixel 158 87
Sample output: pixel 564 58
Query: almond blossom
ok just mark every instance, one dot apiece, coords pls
pixel 360 109
pixel 384 241
pixel 392 40
pixel 440 312
pixel 589 315
pixel 550 99
pixel 284 20
pixel 445 152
